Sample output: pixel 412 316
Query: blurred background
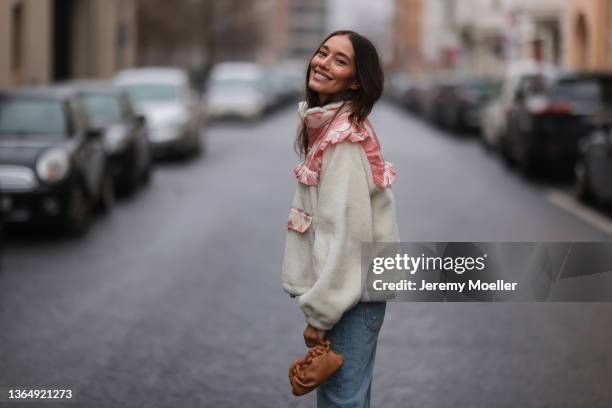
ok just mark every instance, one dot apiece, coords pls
pixel 146 149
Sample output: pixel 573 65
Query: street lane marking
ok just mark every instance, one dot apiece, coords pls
pixel 569 204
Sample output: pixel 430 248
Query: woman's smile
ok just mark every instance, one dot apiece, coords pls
pixel 319 76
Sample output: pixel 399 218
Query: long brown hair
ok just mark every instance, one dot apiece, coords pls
pixel 369 75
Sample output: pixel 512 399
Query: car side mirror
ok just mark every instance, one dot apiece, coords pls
pixel 141 120
pixel 608 138
pixel 94 133
pixel 193 100
pixel 520 95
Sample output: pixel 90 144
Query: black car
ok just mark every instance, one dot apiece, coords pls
pixel 436 101
pixel 125 139
pixel 549 116
pixel 593 170
pixel 463 103
pixel 399 87
pixel 52 163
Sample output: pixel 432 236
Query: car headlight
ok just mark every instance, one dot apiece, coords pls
pixel 177 121
pixel 114 140
pixel 53 165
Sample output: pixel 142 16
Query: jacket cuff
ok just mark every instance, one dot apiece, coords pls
pixel 318 320
pixel 318 323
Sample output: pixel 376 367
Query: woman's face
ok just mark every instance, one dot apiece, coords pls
pixel 332 69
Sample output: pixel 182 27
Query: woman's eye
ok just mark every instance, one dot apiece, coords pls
pixel 321 53
pixel 341 62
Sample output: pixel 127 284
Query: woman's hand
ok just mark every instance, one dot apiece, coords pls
pixel 313 336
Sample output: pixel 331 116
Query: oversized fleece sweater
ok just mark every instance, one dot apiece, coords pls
pixel 342 200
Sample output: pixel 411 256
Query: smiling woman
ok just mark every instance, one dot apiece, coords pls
pixel 344 68
pixel 342 200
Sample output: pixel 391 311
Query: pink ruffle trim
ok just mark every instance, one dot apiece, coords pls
pixel 309 170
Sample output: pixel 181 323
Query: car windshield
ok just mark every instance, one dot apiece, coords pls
pixel 584 90
pixel 485 88
pixel 153 93
pixel 28 116
pixel 232 85
pixel 535 84
pixel 102 110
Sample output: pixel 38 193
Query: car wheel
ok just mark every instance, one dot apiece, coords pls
pixel 484 143
pixel 526 162
pixel 196 146
pixel 147 173
pixel 455 123
pixel 203 147
pixel 582 190
pixel 129 179
pixel 524 155
pixel 504 151
pixel 131 184
pixel 107 193
pixel 78 212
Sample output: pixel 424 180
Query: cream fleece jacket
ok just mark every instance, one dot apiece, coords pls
pixel 328 224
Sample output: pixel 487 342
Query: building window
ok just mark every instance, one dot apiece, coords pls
pixel 17 38
pixel 582 43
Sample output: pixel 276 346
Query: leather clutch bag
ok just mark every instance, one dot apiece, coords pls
pixel 310 371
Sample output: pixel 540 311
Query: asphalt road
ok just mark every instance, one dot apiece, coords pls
pixel 174 300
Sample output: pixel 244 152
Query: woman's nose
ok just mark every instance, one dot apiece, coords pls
pixel 325 62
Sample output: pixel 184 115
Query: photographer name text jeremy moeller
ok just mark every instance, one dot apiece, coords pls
pixel 408 285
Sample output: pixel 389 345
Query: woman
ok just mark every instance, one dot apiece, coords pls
pixel 342 200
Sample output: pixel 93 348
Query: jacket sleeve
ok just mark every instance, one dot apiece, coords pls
pixel 342 222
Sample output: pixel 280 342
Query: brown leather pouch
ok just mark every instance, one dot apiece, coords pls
pixel 310 371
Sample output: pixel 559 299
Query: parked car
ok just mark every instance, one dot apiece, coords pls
pixel 174 114
pixel 285 81
pixel 294 76
pixel 517 78
pixel 125 138
pixel 418 97
pixel 237 89
pixel 399 87
pixel 593 170
pixel 464 102
pixel 492 122
pixel 53 167
pixel 548 119
pixel 436 101
pixel 275 88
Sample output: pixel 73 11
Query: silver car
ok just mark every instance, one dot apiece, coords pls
pixel 174 114
pixel 238 89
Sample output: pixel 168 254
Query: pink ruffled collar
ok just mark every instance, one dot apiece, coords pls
pixel 322 132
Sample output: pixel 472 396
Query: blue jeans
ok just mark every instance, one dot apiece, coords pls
pixel 355 337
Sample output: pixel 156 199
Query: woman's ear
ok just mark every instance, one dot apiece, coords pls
pixel 354 85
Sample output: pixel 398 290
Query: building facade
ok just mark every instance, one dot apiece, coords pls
pixel 477 37
pixel 407 35
pixel 536 30
pixel 42 41
pixel 289 29
pixel 588 29
pixel 274 22
pixel 307 27
pixel 25 53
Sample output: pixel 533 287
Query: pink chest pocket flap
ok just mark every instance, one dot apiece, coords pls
pixel 299 220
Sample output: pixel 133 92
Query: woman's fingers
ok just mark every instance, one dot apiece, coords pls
pixel 313 336
pixel 308 339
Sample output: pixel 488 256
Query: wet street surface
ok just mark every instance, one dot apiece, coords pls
pixel 174 299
